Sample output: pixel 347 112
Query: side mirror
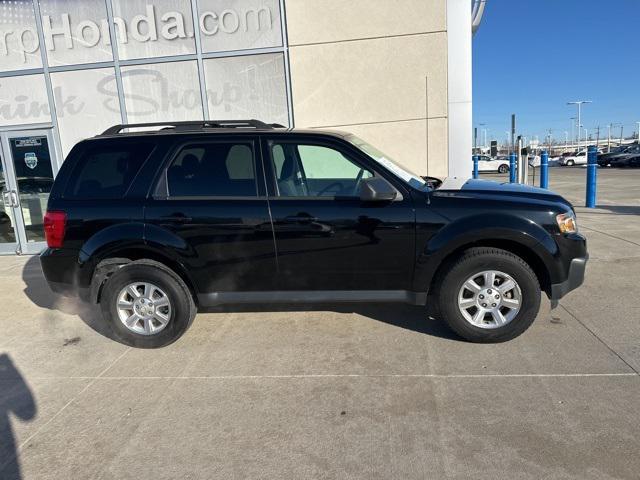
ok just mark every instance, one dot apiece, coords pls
pixel 377 189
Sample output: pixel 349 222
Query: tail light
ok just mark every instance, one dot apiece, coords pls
pixel 54 227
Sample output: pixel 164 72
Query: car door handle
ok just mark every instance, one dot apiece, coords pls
pixel 300 219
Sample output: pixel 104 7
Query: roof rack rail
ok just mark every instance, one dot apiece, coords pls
pixel 194 125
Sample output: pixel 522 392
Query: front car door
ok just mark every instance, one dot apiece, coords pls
pixel 326 237
pixel 210 207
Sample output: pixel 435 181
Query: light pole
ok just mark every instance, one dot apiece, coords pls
pixel 484 144
pixel 573 129
pixel 638 123
pixel 586 137
pixel 579 103
pixel 475 141
pixel 566 140
pixel 613 125
pixel 621 129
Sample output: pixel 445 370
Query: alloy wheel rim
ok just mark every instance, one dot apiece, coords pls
pixel 143 308
pixel 489 299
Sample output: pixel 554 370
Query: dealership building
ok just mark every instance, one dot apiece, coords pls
pixel 395 73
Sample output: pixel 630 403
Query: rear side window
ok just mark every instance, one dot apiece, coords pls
pixel 217 169
pixel 107 171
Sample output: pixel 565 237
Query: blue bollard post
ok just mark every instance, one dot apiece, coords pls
pixel 592 176
pixel 476 159
pixel 544 169
pixel 512 167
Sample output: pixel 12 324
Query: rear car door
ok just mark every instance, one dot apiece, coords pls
pixel 209 208
pixel 327 238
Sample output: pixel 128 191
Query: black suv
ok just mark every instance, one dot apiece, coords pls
pixel 154 224
pixel 622 156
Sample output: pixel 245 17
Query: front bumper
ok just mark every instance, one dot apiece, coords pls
pixel 573 281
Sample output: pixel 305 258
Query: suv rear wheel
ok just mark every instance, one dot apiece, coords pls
pixel 147 305
pixel 503 168
pixel 489 295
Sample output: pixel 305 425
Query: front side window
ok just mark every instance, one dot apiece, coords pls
pixel 315 171
pixel 213 170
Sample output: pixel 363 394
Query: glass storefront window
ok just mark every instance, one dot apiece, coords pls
pixel 75 32
pixel 251 86
pixel 162 91
pixel 242 65
pixel 19 43
pixel 34 177
pixel 239 25
pixel 7 222
pixel 23 100
pixel 86 104
pixel 153 28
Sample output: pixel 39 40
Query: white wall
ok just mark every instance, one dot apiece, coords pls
pixel 377 69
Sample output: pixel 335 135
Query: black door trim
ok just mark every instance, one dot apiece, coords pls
pixel 313 296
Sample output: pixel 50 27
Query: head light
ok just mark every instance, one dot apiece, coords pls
pixel 567 222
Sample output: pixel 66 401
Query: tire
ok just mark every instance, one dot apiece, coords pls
pixel 503 169
pixel 179 311
pixel 449 290
pixel 570 163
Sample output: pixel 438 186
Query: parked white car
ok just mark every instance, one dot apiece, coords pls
pixel 534 160
pixel 498 164
pixel 579 158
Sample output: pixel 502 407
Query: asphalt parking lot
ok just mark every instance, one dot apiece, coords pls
pixel 359 392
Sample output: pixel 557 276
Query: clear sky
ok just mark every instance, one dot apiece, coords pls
pixel 530 57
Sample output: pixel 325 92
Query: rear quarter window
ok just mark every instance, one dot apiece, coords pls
pixel 107 170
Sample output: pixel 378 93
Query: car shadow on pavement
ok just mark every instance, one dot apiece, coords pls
pixel 410 317
pixel 38 291
pixel 16 399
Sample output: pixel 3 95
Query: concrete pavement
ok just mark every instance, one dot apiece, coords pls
pixel 357 392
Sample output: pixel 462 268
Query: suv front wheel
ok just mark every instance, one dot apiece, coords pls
pixel 147 305
pixel 489 295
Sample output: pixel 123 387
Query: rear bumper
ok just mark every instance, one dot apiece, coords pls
pixel 60 269
pixel 67 290
pixel 575 278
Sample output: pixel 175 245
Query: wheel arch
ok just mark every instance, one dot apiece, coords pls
pixel 115 258
pixel 512 233
pixel 520 250
pixel 119 244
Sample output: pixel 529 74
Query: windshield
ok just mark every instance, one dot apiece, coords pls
pixel 413 179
